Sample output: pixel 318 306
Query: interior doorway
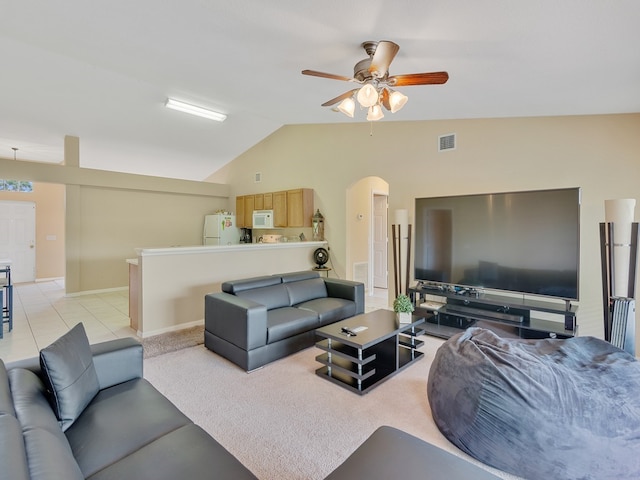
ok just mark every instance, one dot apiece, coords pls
pixel 18 239
pixel 367 234
pixel 380 243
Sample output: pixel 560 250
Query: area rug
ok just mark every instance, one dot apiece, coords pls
pixel 173 341
pixel 283 421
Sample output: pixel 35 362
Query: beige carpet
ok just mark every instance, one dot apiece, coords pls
pixel 283 421
pixel 170 342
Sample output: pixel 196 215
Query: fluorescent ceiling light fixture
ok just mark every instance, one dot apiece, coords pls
pixel 195 110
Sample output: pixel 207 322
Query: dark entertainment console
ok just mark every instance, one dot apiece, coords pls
pixel 510 314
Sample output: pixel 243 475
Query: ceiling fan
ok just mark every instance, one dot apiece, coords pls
pixel 373 74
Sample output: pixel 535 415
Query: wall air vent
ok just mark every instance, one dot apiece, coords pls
pixel 447 142
pixel 257 177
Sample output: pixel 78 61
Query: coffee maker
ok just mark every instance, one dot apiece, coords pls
pixel 245 235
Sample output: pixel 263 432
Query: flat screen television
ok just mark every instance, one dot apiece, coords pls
pixel 525 242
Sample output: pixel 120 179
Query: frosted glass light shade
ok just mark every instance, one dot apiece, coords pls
pixel 396 101
pixel 367 96
pixel 347 106
pixel 375 113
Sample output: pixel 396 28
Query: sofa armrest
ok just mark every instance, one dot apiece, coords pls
pixel 117 361
pixel 237 320
pixel 347 289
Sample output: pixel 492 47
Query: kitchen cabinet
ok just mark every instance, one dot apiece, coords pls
pixel 258 201
pixel 268 201
pixel 291 208
pixel 280 209
pixel 240 212
pixel 245 205
pixel 299 207
pixel 249 207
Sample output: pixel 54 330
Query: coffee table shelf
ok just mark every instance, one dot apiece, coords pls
pixel 362 362
pixel 345 351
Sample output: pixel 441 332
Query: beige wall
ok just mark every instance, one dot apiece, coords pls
pixel 600 153
pixel 108 214
pixel 50 236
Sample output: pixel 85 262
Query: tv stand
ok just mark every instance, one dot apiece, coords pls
pixel 462 309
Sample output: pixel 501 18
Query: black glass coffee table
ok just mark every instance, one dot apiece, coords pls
pixel 380 348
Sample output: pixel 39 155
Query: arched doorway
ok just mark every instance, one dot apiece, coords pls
pixel 367 233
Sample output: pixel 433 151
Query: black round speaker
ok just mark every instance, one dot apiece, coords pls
pixel 320 256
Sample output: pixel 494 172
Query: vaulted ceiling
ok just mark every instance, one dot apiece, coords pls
pixel 103 70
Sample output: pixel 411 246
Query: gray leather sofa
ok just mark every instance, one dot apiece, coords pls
pixel 392 453
pixel 128 429
pixel 257 320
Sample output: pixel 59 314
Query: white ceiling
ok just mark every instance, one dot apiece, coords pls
pixel 102 70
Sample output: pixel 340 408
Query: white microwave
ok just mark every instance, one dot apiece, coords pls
pixel 263 219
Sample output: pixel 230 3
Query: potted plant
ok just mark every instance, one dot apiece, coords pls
pixel 403 307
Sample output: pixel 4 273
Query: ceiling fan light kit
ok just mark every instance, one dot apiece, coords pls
pixel 397 100
pixel 195 110
pixel 373 74
pixel 368 96
pixel 374 113
pixel 347 106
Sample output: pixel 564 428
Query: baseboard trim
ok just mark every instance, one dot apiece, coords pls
pixel 93 292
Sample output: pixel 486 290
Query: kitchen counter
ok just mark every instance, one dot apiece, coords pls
pixel 197 249
pixel 168 285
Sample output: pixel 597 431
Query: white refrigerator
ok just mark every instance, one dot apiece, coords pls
pixel 220 229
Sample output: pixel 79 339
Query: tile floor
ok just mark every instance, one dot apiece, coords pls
pixel 42 313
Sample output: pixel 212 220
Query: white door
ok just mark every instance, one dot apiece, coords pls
pixel 18 239
pixel 380 208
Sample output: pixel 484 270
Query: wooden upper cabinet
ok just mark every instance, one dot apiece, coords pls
pixel 240 212
pixel 280 209
pixel 258 201
pixel 299 207
pixel 291 208
pixel 249 207
pixel 268 201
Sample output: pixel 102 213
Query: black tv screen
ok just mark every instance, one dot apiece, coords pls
pixel 525 242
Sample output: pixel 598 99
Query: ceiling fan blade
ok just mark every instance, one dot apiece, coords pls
pixel 382 58
pixel 333 101
pixel 384 98
pixel 433 78
pixel 314 73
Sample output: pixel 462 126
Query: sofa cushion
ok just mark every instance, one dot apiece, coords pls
pixel 288 321
pixel 120 420
pixel 330 309
pixel 306 290
pixel 186 453
pixel 13 457
pixel 67 365
pixel 274 296
pixel 48 452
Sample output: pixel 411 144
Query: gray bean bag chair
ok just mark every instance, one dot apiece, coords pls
pixel 540 409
